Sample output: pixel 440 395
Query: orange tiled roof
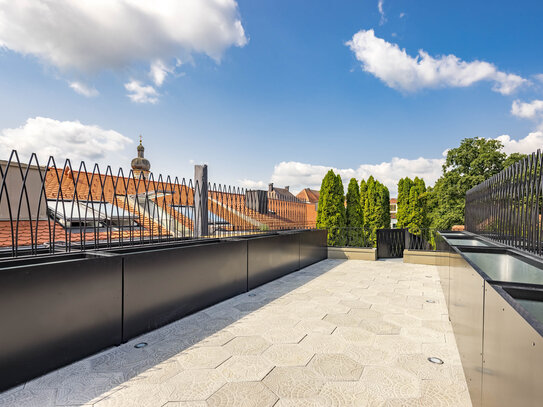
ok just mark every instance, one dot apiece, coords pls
pixel 308 195
pixel 121 191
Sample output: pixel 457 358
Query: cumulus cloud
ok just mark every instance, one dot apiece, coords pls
pixel 527 145
pixel 159 71
pixel 381 12
pixel 531 110
pixel 83 89
pixel 403 72
pixel 90 36
pixel 63 139
pixel 251 184
pixel 302 175
pixel 139 93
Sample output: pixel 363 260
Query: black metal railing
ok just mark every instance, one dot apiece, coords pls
pixel 51 208
pixel 349 237
pixel 508 207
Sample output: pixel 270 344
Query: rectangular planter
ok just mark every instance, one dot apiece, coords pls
pixel 513 353
pixel 466 310
pixel 269 258
pixel 162 285
pixel 313 247
pixel 55 310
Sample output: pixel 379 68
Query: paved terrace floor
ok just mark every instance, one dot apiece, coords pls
pixel 338 333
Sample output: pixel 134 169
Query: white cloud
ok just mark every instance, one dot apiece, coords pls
pixel 539 77
pixel 403 72
pixel 402 15
pixel 529 110
pixel 159 71
pixel 527 145
pixel 251 184
pixel 381 12
pixel 63 139
pixel 139 93
pixel 90 36
pixel 83 89
pixel 111 34
pixel 302 175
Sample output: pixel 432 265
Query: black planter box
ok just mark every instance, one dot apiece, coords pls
pixel 272 257
pixel 162 285
pixel 55 310
pixel 313 247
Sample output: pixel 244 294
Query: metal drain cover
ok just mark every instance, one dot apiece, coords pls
pixel 435 360
pixel 252 295
pixel 431 301
pixel 140 345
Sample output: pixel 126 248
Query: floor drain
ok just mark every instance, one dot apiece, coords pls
pixel 252 295
pixel 140 345
pixel 431 301
pixel 428 276
pixel 435 360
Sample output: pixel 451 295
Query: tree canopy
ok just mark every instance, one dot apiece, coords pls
pixel 474 161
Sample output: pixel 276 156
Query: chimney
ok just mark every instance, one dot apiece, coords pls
pixel 287 187
pixel 270 187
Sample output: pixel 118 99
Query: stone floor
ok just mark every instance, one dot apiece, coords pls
pixel 338 333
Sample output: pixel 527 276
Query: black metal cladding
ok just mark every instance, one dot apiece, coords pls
pixel 56 311
pixel 508 207
pixel 60 208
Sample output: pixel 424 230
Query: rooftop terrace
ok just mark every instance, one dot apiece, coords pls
pixel 337 333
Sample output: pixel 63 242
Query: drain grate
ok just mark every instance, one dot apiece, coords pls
pixel 430 301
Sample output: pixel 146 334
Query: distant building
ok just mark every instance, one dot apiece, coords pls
pixel 311 198
pixel 393 212
pixel 308 195
pixel 282 194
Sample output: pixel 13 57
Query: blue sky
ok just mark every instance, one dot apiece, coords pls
pixel 281 99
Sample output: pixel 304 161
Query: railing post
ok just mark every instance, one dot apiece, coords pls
pixel 200 201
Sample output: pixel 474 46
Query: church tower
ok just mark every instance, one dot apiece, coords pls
pixel 141 165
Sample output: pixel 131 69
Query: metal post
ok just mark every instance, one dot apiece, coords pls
pixel 200 201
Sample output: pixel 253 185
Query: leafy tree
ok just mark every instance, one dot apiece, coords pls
pixel 474 161
pixel 331 207
pixel 354 216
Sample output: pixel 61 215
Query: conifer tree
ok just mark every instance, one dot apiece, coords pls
pixel 354 216
pixel 404 191
pixel 331 208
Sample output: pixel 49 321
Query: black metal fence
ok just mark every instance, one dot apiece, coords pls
pixel 422 239
pixel 61 208
pixel 508 207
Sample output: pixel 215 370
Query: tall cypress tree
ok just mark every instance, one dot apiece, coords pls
pixel 371 216
pixel 331 210
pixel 404 190
pixel 354 216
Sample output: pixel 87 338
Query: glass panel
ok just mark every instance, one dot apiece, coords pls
pixel 466 242
pixel 504 267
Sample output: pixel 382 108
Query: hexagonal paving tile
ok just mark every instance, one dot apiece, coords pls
pixel 283 335
pixel 247 345
pixel 357 335
pixel 321 343
pixel 196 384
pixel 316 325
pixel 245 368
pixel 288 354
pixel 294 382
pixel 243 394
pixel 389 382
pixel 335 367
pixel 207 357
